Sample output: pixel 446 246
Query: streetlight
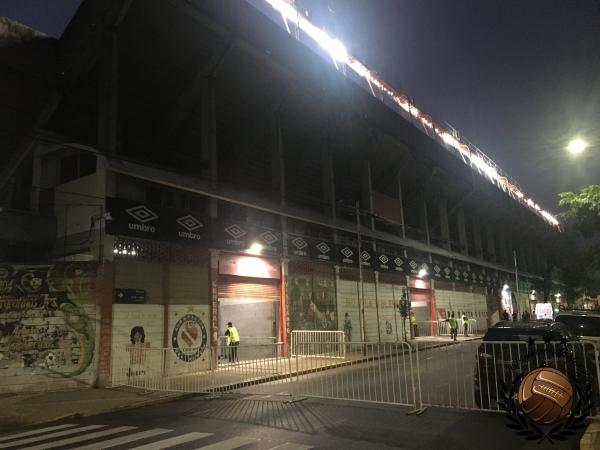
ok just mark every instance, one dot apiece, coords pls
pixel 577 146
pixel 255 248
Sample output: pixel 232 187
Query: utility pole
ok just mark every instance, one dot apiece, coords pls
pixel 361 301
pixel 516 277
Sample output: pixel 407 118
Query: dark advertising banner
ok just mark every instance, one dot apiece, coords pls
pixel 304 247
pixel 347 255
pixel 239 236
pixel 136 219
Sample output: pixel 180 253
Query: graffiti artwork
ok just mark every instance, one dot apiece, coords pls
pixel 189 338
pixel 43 323
pixel 312 302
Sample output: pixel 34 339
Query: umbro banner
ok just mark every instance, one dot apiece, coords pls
pixel 136 219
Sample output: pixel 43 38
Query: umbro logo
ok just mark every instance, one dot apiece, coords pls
pixel 269 237
pixel 299 243
pixel 189 222
pixel 235 231
pixel 142 213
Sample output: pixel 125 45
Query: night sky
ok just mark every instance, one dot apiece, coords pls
pixel 518 78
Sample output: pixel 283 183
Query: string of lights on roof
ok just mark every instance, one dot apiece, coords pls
pixel 468 152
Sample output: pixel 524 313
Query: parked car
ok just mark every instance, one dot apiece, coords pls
pixel 585 324
pixel 513 348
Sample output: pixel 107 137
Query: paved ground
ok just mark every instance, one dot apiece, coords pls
pixel 261 423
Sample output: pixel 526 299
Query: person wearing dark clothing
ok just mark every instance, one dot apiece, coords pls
pixel 515 316
pixel 505 315
pixel 526 316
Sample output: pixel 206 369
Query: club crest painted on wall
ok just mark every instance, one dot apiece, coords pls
pixel 189 338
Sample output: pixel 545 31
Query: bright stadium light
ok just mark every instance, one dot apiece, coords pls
pixel 577 146
pixel 469 153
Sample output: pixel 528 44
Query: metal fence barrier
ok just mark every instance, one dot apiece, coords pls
pixel 330 344
pixel 466 375
pixel 470 374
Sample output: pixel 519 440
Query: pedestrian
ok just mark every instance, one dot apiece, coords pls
pixel 526 316
pixel 515 316
pixel 453 327
pixel 413 324
pixel 465 325
pixel 348 327
pixel 505 315
pixel 233 340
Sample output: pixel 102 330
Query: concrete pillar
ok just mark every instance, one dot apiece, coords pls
pixel 490 243
pixel 476 230
pixel 444 226
pixel 328 180
pixel 503 255
pixel 367 192
pixel 213 279
pixel 208 144
pixel 106 275
pixel 401 205
pixel 462 231
pixel 108 94
pixel 425 220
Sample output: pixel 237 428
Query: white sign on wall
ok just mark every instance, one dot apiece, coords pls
pixel 543 311
pixel 189 334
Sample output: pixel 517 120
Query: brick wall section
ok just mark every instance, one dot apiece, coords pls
pixel 106 298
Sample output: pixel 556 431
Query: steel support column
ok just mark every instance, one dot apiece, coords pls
pixel 462 231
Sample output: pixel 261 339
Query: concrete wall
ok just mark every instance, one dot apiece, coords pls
pixel 48 332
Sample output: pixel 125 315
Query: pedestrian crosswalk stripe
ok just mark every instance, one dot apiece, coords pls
pixel 292 446
pixel 49 436
pixel 228 444
pixel 37 431
pixel 76 439
pixel 124 439
pixel 171 442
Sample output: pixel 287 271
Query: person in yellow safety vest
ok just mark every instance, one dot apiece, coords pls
pixel 453 326
pixel 465 325
pixel 413 323
pixel 233 340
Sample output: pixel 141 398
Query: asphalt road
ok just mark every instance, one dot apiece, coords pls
pixel 445 374
pixel 269 422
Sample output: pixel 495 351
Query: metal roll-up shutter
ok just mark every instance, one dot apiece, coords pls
pixel 245 287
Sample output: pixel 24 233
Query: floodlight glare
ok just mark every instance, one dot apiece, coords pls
pixel 577 146
pixel 255 248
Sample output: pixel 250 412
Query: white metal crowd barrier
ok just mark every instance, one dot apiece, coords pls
pixel 330 344
pixel 443 328
pixel 467 374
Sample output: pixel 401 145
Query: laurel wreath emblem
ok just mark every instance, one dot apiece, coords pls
pixel 564 429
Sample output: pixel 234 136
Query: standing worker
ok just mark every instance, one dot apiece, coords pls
pixel 413 323
pixel 453 326
pixel 233 340
pixel 465 325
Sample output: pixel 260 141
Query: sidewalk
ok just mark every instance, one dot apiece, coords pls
pixel 21 410
pixel 446 338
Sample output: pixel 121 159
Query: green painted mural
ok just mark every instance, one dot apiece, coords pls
pixel 45 319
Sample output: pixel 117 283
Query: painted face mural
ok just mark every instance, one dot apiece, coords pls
pixel 43 323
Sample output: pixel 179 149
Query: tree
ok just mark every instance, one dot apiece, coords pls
pixel 580 258
pixel 404 307
pixel 583 209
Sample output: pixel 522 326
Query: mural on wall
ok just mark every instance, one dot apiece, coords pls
pixel 189 338
pixel 312 302
pixel 137 347
pixel 43 321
